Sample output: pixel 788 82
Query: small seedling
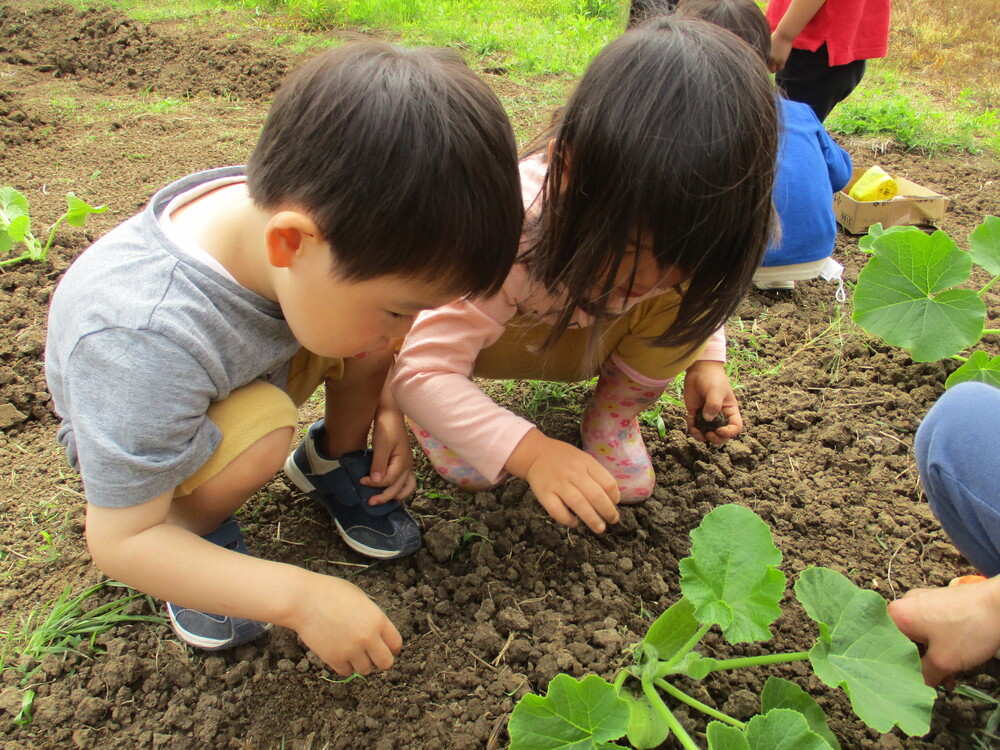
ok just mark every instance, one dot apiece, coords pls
pixel 908 295
pixel 15 224
pixel 731 581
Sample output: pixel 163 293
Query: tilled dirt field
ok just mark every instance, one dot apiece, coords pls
pixel 500 599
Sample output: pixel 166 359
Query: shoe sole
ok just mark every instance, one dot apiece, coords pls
pixel 293 472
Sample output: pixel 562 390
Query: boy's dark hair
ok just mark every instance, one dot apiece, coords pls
pixel 671 133
pixel 742 17
pixel 404 159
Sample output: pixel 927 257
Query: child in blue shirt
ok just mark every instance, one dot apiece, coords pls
pixel 811 167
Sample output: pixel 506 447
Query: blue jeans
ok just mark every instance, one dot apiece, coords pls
pixel 958 455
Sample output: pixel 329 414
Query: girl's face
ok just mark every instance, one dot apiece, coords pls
pixel 649 276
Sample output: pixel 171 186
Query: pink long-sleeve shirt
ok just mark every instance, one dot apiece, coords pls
pixel 432 382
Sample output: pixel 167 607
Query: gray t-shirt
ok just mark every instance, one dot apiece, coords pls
pixel 142 338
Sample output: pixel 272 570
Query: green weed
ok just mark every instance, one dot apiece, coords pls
pixel 69 627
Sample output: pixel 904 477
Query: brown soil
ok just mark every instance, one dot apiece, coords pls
pixel 500 599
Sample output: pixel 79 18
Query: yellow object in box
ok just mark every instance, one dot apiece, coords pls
pixel 874 185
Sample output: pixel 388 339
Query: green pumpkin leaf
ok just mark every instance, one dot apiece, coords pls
pixel 724 737
pixel 782 729
pixel 875 231
pixel 978 367
pixel 584 715
pixel 731 576
pixel 779 693
pixel 862 651
pixel 12 205
pixel 78 211
pixel 904 295
pixel 671 631
pixel 984 245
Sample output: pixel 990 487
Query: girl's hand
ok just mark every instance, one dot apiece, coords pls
pixel 707 389
pixel 569 483
pixel 960 625
pixel 392 458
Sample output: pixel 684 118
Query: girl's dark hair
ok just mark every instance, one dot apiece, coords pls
pixel 742 17
pixel 671 133
pixel 404 159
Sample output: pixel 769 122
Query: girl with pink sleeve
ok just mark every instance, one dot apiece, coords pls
pixel 647 212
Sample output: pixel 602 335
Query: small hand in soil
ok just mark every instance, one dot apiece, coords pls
pixel 705 426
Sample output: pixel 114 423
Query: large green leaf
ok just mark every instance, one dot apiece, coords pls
pixel 672 630
pixel 12 205
pixel 646 728
pixel 779 693
pixel 875 231
pixel 724 737
pixel 584 715
pixel 731 575
pixel 984 245
pixel 778 729
pixel 978 367
pixel 904 295
pixel 861 650
pixel 782 729
pixel 77 210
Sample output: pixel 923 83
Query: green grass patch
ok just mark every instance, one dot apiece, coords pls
pixel 886 105
pixel 524 36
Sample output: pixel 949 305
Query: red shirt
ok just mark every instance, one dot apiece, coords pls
pixel 852 29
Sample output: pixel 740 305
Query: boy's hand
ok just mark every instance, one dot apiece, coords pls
pixel 392 458
pixel 345 628
pixel 960 625
pixel 781 48
pixel 570 484
pixel 707 389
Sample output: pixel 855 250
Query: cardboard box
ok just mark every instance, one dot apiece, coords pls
pixel 914 205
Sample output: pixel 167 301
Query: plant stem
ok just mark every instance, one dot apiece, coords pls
pixel 686 648
pixel 620 679
pixel 990 283
pixel 754 661
pixel 52 236
pixel 695 703
pixel 661 708
pixel 989 331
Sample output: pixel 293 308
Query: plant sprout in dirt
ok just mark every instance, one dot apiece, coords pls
pixel 731 581
pixel 15 224
pixel 908 295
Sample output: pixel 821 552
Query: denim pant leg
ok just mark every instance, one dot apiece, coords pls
pixel 958 455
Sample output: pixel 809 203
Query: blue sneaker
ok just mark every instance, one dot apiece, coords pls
pixel 380 531
pixel 216 632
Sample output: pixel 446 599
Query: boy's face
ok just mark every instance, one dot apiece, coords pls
pixel 333 317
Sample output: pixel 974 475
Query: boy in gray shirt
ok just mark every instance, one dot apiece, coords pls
pixel 384 182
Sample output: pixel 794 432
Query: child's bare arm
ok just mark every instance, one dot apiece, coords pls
pixel 569 483
pixel 798 14
pixel 392 457
pixel 335 619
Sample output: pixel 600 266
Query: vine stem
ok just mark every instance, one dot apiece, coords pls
pixel 989 331
pixel 686 648
pixel 695 703
pixel 989 284
pixel 675 726
pixel 754 661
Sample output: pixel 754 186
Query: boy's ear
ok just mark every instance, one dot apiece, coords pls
pixel 288 233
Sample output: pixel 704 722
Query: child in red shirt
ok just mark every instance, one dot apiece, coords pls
pixel 819 47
